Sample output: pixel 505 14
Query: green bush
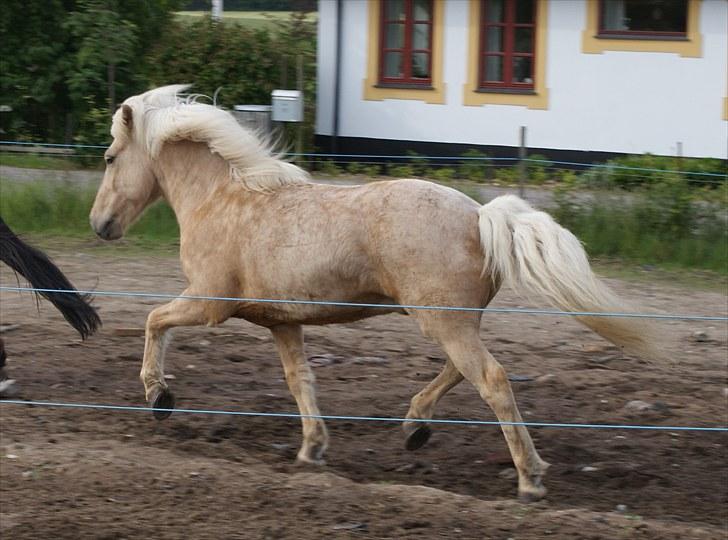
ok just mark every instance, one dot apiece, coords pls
pixel 401 171
pixel 420 165
pixel 537 169
pixel 565 177
pixel 245 63
pixel 474 169
pixel 371 170
pixel 329 167
pixel 354 167
pixel 632 172
pixel 663 222
pixel 443 174
pixel 507 175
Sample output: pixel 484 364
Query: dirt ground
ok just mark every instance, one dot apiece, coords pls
pixel 83 473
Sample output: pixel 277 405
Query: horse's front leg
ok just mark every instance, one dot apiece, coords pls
pixel 300 379
pixel 179 312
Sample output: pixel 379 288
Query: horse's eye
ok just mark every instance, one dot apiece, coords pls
pixel 109 160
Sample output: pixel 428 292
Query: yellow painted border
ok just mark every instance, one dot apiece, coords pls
pixel 538 100
pixel 692 47
pixel 433 94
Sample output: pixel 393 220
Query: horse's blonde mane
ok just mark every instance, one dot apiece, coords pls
pixel 162 115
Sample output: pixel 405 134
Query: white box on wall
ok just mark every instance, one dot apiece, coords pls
pixel 287 106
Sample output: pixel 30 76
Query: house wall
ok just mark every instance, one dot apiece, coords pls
pixel 614 101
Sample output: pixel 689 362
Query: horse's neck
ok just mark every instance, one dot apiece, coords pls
pixel 188 175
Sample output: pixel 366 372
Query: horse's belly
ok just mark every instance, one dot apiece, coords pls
pixel 315 312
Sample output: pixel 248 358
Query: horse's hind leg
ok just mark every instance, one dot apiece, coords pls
pixel 300 379
pixel 423 404
pixel 458 334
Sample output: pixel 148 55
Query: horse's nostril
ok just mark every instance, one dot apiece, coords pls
pixel 106 230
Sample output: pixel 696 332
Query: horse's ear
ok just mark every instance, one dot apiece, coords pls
pixel 126 115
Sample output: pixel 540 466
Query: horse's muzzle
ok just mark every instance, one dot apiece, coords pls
pixel 108 230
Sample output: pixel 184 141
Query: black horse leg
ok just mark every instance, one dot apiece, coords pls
pixel 7 386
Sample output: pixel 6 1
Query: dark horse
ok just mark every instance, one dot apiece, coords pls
pixel 41 273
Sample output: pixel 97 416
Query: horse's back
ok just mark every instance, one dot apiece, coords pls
pixel 426 243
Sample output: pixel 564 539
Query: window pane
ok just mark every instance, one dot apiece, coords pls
pixel 494 10
pixel 522 69
pixel 613 15
pixel 422 10
pixel 395 10
pixel 524 11
pixel 645 16
pixel 421 65
pixel 493 68
pixel 393 65
pixel 421 36
pixel 494 39
pixel 395 36
pixel 524 40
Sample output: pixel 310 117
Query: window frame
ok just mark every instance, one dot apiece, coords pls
pixel 407 50
pixel 639 34
pixel 508 28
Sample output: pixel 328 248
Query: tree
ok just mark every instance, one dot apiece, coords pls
pixel 35 55
pixel 106 42
pixel 64 62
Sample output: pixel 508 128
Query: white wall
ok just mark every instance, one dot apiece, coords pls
pixel 615 102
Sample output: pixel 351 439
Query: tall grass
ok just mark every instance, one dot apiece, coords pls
pixel 63 209
pixel 664 223
pixel 34 161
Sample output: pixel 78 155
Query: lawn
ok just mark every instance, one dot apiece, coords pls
pixel 250 19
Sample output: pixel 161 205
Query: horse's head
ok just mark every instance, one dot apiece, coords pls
pixel 129 183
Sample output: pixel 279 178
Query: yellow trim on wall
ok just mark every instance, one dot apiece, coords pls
pixel 691 47
pixel 539 99
pixel 725 108
pixel 433 94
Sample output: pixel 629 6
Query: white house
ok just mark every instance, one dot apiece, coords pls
pixel 588 78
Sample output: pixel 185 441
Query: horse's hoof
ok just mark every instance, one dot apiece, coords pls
pixel 418 437
pixel 163 399
pixel 528 497
pixel 8 388
pixel 309 463
pixel 313 455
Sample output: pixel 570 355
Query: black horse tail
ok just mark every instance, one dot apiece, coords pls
pixel 41 273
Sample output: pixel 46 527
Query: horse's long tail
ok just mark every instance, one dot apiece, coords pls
pixel 528 250
pixel 41 273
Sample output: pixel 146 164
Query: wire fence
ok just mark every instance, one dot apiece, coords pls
pixel 455 421
pixel 391 419
pixel 317 160
pixel 523 311
pixel 322 160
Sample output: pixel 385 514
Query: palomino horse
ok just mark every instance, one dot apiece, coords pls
pixel 41 273
pixel 254 226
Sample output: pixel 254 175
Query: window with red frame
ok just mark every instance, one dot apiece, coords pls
pixel 643 18
pixel 507 45
pixel 406 43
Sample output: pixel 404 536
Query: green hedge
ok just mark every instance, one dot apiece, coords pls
pixel 665 222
